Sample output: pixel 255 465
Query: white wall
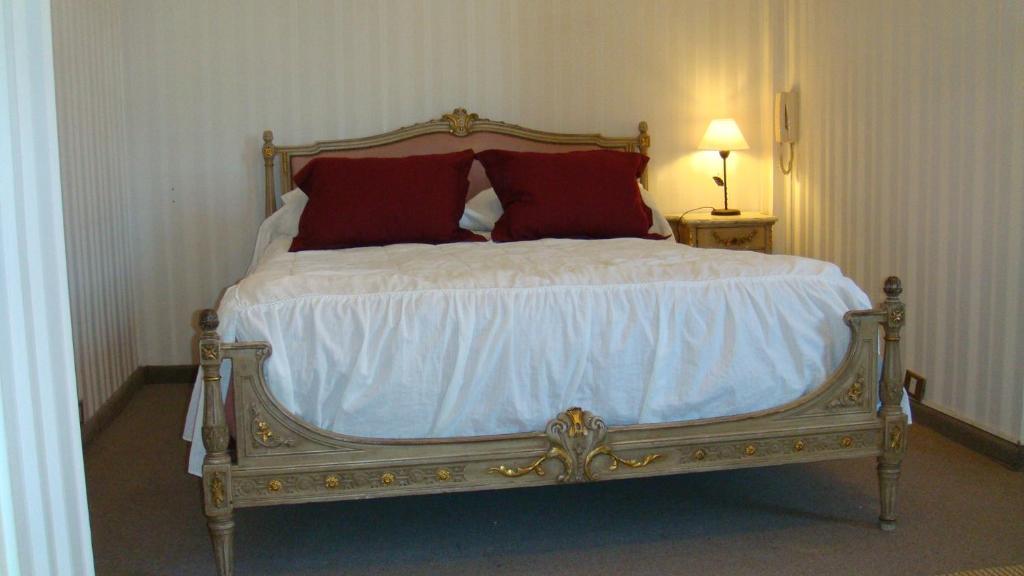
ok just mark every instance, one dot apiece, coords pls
pixel 911 162
pixel 204 78
pixel 44 521
pixel 93 145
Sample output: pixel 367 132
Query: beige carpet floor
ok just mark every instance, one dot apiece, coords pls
pixel 959 511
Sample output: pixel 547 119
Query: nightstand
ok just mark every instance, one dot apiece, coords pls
pixel 748 231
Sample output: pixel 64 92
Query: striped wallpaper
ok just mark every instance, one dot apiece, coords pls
pixel 911 162
pixel 909 159
pixel 205 77
pixel 90 106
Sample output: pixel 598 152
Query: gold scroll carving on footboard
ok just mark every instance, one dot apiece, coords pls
pixel 577 438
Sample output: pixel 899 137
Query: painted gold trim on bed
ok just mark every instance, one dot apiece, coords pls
pixel 458 123
pixel 577 438
pixel 288 460
pixel 320 465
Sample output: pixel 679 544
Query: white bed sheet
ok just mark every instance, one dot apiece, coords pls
pixel 415 341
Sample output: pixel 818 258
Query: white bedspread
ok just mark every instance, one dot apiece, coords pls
pixel 412 341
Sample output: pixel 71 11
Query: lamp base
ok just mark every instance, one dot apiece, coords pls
pixel 725 212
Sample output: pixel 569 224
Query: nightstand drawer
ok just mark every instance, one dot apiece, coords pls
pixel 747 231
pixel 737 238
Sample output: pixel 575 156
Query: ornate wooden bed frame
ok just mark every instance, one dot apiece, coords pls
pixel 279 459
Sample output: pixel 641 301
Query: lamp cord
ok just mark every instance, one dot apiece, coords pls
pixel 786 169
pixel 695 209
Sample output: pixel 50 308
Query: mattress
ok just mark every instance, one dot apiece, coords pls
pixel 467 339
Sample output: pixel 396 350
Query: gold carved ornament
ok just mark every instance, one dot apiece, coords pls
pixel 312 483
pixel 851 396
pixel 217 489
pixel 896 438
pixel 535 467
pixel 606 451
pixel 263 431
pixel 576 438
pixel 749 449
pixel 856 390
pixel 460 122
pixel 263 434
pixel 208 351
pixel 737 241
pixel 896 314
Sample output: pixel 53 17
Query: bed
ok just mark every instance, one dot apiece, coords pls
pixel 412 369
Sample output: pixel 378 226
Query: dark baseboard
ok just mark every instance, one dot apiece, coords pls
pixel 183 374
pixel 180 374
pixel 113 406
pixel 981 441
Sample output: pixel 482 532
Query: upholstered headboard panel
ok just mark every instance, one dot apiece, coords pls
pixel 455 131
pixel 441 143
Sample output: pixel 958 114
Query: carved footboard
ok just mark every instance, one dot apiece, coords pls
pixel 280 459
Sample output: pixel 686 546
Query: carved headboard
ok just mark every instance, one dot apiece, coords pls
pixel 457 130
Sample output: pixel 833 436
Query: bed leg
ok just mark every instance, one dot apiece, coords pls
pixel 222 530
pixel 888 480
pixel 891 416
pixel 217 466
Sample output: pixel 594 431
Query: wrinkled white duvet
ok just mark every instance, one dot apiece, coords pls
pixel 414 341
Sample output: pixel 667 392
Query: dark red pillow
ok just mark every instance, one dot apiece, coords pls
pixel 378 201
pixel 584 194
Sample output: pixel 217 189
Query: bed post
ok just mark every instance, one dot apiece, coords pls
pixel 645 143
pixel 217 465
pixel 269 151
pixel 894 421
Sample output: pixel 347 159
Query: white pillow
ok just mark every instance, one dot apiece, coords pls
pixel 484 209
pixel 282 223
pixel 296 195
pixel 660 226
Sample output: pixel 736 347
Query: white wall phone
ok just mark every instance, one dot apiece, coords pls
pixel 787 122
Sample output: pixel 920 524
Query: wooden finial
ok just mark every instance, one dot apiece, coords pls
pixel 645 138
pixel 893 287
pixel 269 152
pixel 644 144
pixel 208 320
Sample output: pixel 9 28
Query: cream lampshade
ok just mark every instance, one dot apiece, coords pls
pixel 723 134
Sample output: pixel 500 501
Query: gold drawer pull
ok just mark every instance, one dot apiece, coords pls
pixel 737 241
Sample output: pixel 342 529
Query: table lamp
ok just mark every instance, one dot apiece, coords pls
pixel 723 135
